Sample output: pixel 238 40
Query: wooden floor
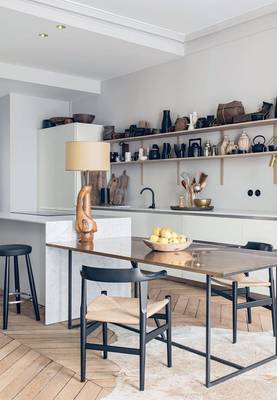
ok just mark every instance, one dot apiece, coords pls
pixel 42 362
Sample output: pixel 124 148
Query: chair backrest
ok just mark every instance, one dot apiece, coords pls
pixel 117 275
pixel 258 246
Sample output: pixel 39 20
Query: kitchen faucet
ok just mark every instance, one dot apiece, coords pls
pixel 153 196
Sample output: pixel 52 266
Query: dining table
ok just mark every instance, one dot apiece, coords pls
pixel 206 258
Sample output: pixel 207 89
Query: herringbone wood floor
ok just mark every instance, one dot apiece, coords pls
pixel 42 362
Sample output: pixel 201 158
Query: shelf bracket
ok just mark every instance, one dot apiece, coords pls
pixel 178 172
pixel 141 174
pixel 141 167
pixel 221 170
pixel 275 166
pixel 178 164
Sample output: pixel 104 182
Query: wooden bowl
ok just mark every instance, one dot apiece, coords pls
pixel 58 120
pixel 167 247
pixel 202 202
pixel 84 118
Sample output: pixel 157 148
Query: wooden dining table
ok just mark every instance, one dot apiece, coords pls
pixel 209 259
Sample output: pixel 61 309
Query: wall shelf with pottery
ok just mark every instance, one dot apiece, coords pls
pixel 219 157
pixel 215 129
pixel 211 129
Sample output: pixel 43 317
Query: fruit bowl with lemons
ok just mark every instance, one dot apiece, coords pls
pixel 165 239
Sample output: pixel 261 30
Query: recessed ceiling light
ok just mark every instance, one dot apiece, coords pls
pixel 43 35
pixel 60 27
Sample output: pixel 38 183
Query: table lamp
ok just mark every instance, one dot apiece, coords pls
pixel 86 157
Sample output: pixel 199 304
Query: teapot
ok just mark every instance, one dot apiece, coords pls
pixel 260 146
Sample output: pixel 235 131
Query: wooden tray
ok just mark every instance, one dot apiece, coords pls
pixel 177 208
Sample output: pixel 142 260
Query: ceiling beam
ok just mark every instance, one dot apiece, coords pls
pixel 49 78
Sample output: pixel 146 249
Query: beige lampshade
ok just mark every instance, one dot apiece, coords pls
pixel 87 156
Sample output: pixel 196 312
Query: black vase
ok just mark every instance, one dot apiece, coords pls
pixel 166 123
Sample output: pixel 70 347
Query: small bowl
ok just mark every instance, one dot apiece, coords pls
pixel 58 120
pixel 202 202
pixel 84 118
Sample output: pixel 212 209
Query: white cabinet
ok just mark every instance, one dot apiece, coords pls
pixel 57 188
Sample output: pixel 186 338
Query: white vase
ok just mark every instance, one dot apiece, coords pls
pixel 224 144
pixel 192 121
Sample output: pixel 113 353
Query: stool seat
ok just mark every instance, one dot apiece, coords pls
pixel 14 250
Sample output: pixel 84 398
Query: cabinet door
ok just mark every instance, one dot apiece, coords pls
pixel 56 186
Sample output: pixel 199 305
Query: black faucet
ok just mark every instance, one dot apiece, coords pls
pixel 153 196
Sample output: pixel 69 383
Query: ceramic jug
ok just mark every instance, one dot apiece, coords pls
pixel 244 142
pixel 231 148
pixel 223 145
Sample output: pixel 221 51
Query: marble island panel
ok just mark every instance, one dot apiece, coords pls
pixel 50 266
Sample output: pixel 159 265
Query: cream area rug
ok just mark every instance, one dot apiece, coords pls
pixel 185 380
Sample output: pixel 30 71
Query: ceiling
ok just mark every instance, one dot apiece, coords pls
pixel 186 16
pixel 103 39
pixel 70 51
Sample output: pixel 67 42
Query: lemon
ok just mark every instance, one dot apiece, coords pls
pixel 154 238
pixel 165 233
pixel 163 240
pixel 156 231
pixel 182 239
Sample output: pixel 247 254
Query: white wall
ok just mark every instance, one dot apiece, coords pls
pixel 27 114
pixel 237 64
pixel 4 153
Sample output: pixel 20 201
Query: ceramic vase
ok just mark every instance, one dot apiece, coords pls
pixel 244 142
pixel 223 145
pixel 166 122
pixel 193 120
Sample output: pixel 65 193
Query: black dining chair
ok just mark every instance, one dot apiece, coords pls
pixel 230 288
pixel 123 311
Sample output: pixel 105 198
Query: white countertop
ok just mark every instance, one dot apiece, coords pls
pixel 40 219
pixel 266 215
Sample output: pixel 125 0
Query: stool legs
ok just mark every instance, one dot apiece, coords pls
pixel 17 285
pixel 6 293
pixel 6 301
pixel 32 287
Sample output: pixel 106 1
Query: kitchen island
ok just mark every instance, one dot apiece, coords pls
pixel 50 266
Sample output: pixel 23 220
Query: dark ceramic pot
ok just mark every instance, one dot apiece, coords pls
pixel 166 123
pixel 47 123
pixel 201 123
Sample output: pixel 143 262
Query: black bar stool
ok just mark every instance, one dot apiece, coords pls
pixel 16 250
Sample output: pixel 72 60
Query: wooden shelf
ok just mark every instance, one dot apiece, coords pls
pixel 266 153
pixel 219 128
pixel 221 158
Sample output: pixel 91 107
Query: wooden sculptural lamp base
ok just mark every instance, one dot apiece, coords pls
pixel 85 225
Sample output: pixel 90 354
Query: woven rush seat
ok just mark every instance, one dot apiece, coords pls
pixel 242 280
pixel 122 310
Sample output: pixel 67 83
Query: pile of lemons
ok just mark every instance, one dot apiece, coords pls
pixel 166 236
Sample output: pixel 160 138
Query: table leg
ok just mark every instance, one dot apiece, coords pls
pixel 274 293
pixel 208 330
pixel 69 321
pixel 136 293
